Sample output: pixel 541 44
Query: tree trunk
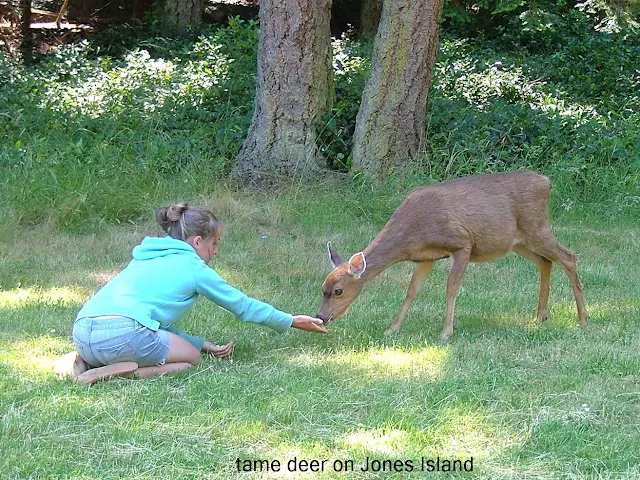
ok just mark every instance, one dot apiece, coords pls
pixel 390 126
pixel 183 12
pixel 370 18
pixel 26 43
pixel 294 90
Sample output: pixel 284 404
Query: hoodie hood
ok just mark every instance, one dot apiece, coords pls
pixel 155 247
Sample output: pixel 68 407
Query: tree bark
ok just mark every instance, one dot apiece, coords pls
pixel 370 18
pixel 26 43
pixel 390 128
pixel 294 90
pixel 183 12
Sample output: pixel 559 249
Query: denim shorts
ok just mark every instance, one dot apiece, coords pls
pixel 108 340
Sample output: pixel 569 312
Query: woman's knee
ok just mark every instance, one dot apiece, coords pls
pixel 196 359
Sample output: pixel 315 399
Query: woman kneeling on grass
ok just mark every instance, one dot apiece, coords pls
pixel 126 328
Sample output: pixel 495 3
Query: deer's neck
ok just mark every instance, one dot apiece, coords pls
pixel 385 250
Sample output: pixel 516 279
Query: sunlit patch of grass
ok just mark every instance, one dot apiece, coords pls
pixel 390 362
pixel 599 310
pixel 459 433
pixel 565 312
pixel 34 357
pixel 453 433
pixel 392 442
pixel 59 296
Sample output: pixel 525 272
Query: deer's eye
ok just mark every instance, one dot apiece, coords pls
pixel 337 292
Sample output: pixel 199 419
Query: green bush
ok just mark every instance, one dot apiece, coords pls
pixel 101 132
pixel 335 131
pixel 89 138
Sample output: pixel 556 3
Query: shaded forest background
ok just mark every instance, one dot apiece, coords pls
pixel 131 111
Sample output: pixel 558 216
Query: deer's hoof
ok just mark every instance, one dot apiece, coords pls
pixel 445 335
pixel 391 331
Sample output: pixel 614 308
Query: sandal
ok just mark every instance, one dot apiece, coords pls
pixel 93 375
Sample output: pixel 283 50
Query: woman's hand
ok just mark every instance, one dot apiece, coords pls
pixel 218 351
pixel 309 324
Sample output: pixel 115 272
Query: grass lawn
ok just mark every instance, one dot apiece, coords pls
pixel 524 401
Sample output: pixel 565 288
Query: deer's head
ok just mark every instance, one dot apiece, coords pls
pixel 342 285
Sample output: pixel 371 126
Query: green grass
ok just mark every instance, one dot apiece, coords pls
pixel 97 135
pixel 526 401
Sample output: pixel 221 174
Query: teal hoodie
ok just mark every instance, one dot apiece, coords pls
pixel 162 282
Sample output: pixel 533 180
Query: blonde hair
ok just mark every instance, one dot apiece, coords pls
pixel 182 221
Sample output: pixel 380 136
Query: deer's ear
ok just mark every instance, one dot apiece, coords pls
pixel 357 265
pixel 336 258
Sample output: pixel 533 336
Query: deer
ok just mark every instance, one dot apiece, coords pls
pixel 478 218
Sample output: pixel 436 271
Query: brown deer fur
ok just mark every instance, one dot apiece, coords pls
pixel 473 219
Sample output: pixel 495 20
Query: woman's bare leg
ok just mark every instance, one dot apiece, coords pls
pixel 181 356
pixel 181 351
pixel 146 372
pixel 93 375
pixel 79 366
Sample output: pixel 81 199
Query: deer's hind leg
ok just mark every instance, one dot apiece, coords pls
pixel 544 266
pixel 545 245
pixel 422 271
pixel 459 263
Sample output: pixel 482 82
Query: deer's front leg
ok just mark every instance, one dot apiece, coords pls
pixel 422 271
pixel 459 262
